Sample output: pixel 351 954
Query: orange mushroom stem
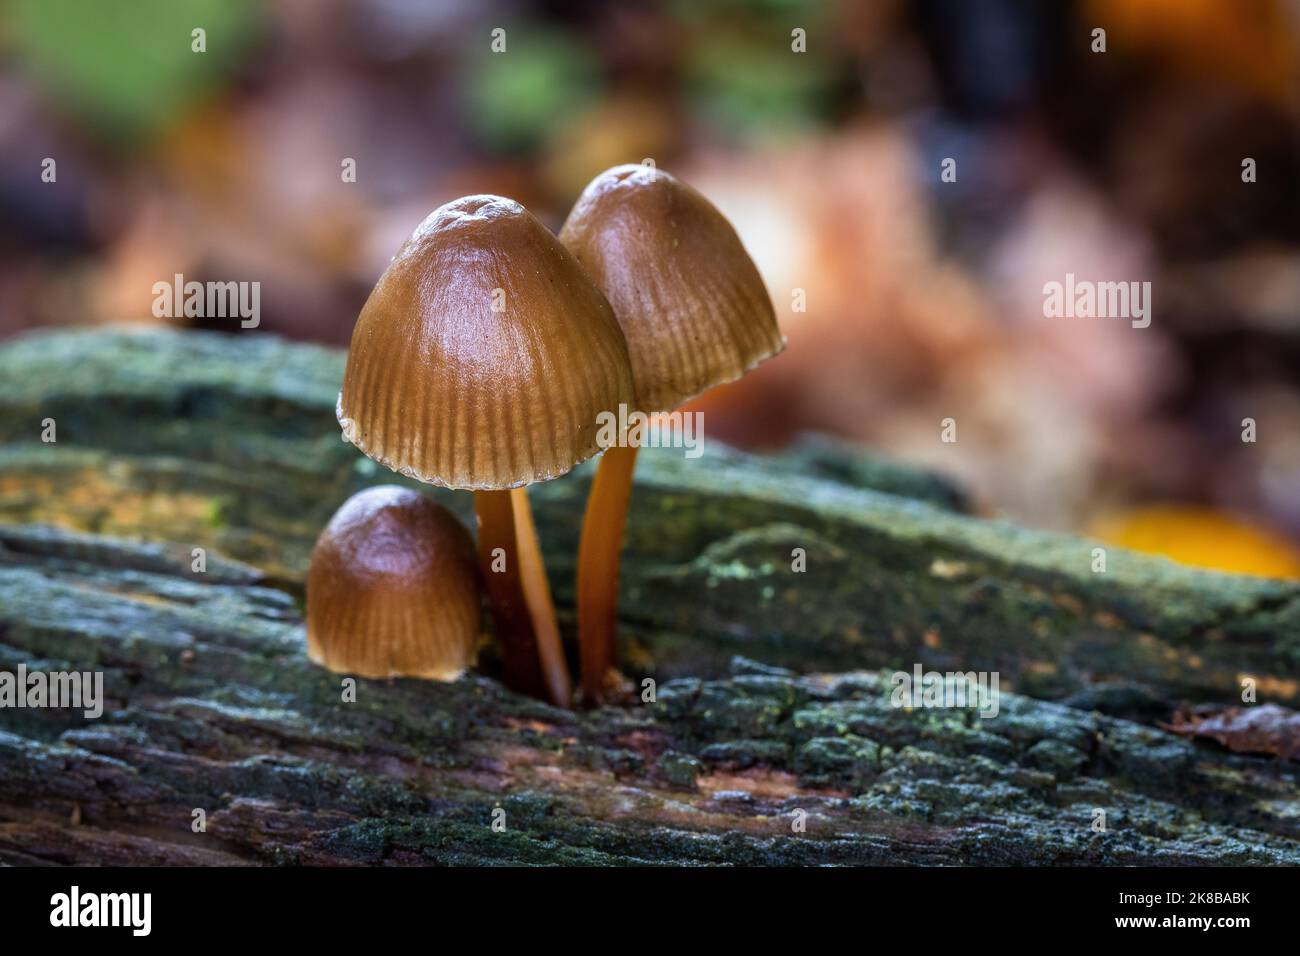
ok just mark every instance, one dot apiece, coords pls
pixel 541 608
pixel 598 568
pixel 511 617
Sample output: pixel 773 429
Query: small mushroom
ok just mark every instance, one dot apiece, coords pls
pixel 482 360
pixel 695 314
pixel 393 589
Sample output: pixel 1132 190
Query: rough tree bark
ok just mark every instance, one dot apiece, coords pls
pixel 770 698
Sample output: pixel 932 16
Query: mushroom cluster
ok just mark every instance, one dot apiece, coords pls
pixel 485 359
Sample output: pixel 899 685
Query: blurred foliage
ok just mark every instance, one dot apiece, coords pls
pixel 803 12
pixel 515 98
pixel 751 90
pixel 742 76
pixel 125 69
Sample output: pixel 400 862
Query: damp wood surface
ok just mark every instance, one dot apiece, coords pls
pixel 772 700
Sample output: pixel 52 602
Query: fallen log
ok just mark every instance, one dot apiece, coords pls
pixel 791 753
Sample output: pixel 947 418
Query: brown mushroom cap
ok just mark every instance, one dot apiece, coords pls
pixel 689 298
pixel 484 354
pixel 393 589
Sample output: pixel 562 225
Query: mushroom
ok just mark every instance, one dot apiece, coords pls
pixel 482 360
pixel 393 589
pixel 695 314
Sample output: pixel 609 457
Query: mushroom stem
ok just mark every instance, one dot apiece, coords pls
pixel 537 596
pixel 598 559
pixel 522 613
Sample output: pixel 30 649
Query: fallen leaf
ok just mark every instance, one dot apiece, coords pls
pixel 1266 729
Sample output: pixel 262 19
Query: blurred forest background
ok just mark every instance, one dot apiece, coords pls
pixel 924 297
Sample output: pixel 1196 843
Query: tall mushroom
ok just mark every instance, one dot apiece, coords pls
pixel 695 314
pixel 482 360
pixel 393 589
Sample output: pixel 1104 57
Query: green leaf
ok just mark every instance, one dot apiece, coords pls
pixel 126 69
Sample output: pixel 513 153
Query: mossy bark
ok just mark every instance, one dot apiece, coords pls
pixel 229 443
